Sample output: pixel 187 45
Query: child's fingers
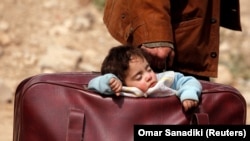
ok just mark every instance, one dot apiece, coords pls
pixel 117 94
pixel 115 85
pixel 188 104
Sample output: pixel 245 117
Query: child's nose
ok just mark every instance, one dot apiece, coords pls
pixel 148 77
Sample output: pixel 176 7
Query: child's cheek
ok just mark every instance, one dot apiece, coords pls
pixel 143 87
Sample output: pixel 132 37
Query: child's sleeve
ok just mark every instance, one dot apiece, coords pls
pixel 187 87
pixel 101 84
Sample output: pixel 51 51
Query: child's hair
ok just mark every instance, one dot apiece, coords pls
pixel 118 58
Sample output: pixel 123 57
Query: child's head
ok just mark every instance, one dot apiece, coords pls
pixel 130 65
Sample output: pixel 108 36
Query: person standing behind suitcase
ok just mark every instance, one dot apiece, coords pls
pixel 182 35
pixel 125 71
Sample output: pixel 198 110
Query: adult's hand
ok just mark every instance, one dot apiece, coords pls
pixel 162 57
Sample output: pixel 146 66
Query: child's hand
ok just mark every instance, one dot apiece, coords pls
pixel 189 104
pixel 115 85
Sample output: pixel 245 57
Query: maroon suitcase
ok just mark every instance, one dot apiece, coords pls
pixel 57 107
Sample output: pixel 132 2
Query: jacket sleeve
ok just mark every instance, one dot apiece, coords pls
pixel 139 21
pixel 187 87
pixel 157 25
pixel 101 84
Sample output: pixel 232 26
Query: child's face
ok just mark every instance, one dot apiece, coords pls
pixel 140 74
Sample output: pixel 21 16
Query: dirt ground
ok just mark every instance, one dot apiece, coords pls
pixel 28 26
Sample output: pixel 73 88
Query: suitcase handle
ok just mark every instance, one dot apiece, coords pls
pixel 75 125
pixel 200 119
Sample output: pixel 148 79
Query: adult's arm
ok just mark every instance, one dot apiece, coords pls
pixel 137 22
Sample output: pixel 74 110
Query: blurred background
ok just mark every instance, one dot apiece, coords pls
pixel 49 36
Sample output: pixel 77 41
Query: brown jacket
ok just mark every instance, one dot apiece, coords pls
pixel 191 25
